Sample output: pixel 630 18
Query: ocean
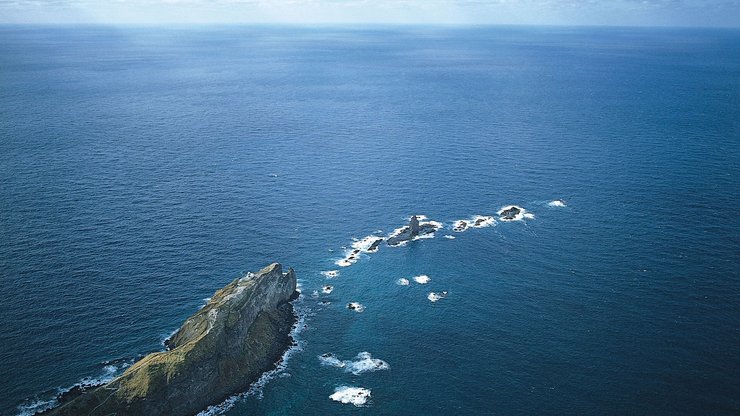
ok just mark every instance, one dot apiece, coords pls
pixel 141 169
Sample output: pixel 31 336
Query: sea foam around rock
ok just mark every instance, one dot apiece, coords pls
pixel 330 274
pixel 521 215
pixel 357 396
pixel 435 296
pixel 557 203
pixel 50 400
pixel 427 228
pixel 362 363
pixel 477 221
pixel 422 279
pixel 355 306
pixel 367 244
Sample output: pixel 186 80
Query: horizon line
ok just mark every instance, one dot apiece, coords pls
pixel 175 25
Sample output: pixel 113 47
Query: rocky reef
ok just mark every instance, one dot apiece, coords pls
pixel 510 213
pixel 375 245
pixel 241 332
pixel 413 230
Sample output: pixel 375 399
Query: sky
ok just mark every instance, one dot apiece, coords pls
pixel 531 12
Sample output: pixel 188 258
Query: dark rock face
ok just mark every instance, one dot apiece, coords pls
pixel 374 246
pixel 510 213
pixel 413 230
pixel 238 335
pixel 461 226
pixel 414 226
pixel 403 235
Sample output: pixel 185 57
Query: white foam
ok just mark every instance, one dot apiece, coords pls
pixel 519 217
pixel 169 337
pixel 435 296
pixel 460 226
pixel 330 274
pixel 32 407
pixel 436 224
pixel 481 221
pixel 331 360
pixel 362 363
pixel 528 215
pixel 477 221
pixel 423 237
pixel 365 243
pixel 327 289
pixel 422 279
pixel 39 404
pixel 398 231
pixel 344 262
pixel 403 282
pixel 355 306
pixel 350 257
pixel 450 237
pixel 558 203
pixel 357 396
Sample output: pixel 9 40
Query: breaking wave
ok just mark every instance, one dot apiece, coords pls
pixel 357 396
pixel 363 363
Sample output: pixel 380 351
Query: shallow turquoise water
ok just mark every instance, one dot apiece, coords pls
pixel 143 169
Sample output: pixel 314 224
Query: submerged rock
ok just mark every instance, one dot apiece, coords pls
pixel 241 332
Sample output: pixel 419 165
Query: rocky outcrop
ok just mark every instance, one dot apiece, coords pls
pixel 414 226
pixel 239 334
pixel 510 213
pixel 460 226
pixel 411 231
pixel 375 245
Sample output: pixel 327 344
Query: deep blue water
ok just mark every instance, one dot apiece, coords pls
pixel 142 169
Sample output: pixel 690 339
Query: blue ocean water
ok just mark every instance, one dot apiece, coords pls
pixel 141 169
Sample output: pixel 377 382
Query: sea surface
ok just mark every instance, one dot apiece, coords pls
pixel 142 168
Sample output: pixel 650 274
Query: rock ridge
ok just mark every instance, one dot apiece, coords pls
pixel 241 332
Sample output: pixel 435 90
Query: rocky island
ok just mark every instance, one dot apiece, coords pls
pixel 510 213
pixel 241 332
pixel 413 230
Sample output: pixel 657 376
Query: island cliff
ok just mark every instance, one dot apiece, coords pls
pixel 241 332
